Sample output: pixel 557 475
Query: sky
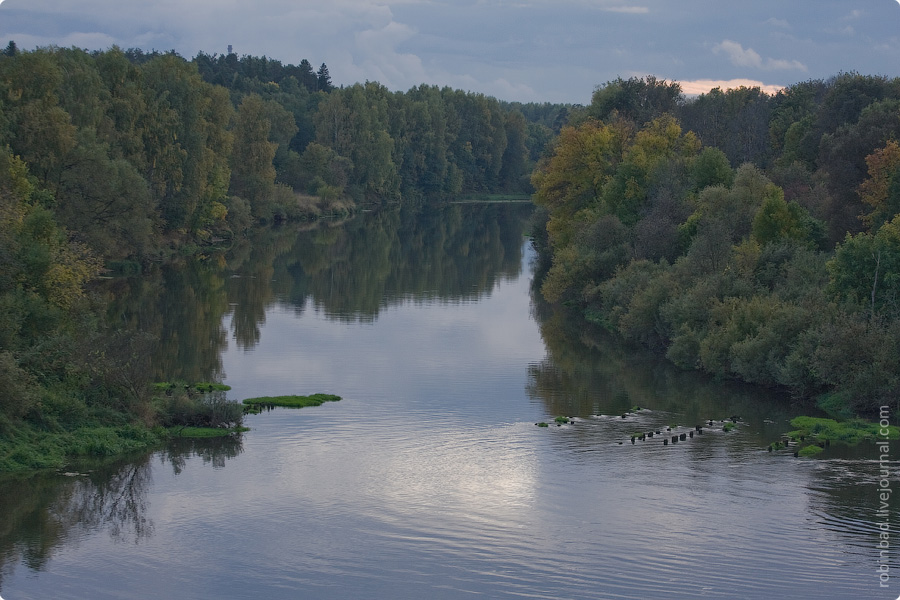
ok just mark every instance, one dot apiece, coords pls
pixel 517 50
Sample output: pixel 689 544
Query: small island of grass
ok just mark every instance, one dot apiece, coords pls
pixel 206 432
pixel 848 432
pixel 256 404
pixel 813 434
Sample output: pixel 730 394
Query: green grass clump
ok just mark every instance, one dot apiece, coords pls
pixel 206 432
pixel 542 424
pixel 29 448
pixel 211 387
pixel 728 427
pixel 562 420
pixel 811 450
pixel 850 432
pixel 292 401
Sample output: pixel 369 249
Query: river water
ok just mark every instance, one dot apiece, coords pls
pixel 429 479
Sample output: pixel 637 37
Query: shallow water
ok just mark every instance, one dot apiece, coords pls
pixel 429 479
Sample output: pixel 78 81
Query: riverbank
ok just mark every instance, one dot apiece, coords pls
pixel 27 448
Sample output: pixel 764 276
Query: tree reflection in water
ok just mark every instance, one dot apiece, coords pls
pixel 46 511
pixel 350 270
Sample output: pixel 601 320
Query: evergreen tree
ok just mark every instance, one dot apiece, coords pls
pixel 307 76
pixel 324 79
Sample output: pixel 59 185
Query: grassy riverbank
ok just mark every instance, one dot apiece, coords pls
pixel 74 429
pixel 28 448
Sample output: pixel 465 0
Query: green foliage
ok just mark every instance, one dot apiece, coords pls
pixel 27 448
pixel 851 431
pixel 865 269
pixel 206 432
pixel 137 152
pixel 777 220
pixel 253 175
pixel 638 99
pixel 201 388
pixel 736 121
pixel 721 269
pixel 17 394
pixel 209 409
pixel 292 401
pixel 711 167
pixel 810 451
pixel 573 179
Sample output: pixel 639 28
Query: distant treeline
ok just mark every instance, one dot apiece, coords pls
pixel 748 235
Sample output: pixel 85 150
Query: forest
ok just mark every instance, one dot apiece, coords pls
pixel 747 235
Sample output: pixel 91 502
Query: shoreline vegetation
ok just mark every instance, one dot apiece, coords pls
pixel 196 411
pixel 750 236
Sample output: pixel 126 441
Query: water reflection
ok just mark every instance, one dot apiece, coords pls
pixel 46 513
pixel 429 478
pixel 350 270
pixel 215 452
pixel 588 373
pixel 378 260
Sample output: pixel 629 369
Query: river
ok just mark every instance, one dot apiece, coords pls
pixel 430 478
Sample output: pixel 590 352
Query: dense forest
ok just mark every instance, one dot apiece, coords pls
pixel 136 152
pixel 748 235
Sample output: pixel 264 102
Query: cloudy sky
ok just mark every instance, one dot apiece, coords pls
pixel 527 50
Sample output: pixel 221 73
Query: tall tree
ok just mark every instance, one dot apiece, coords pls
pixel 252 172
pixel 638 99
pixel 323 79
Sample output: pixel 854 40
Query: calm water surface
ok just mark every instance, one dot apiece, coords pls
pixel 430 479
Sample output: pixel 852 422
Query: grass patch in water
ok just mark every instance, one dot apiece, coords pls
pixel 850 432
pixel 206 432
pixel 292 401
pixel 811 450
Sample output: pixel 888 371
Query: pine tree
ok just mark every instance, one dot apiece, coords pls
pixel 324 79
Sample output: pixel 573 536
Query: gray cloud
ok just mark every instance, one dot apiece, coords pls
pixel 748 57
pixel 530 50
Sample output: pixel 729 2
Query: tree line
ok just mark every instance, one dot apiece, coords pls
pixel 749 235
pixel 139 152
